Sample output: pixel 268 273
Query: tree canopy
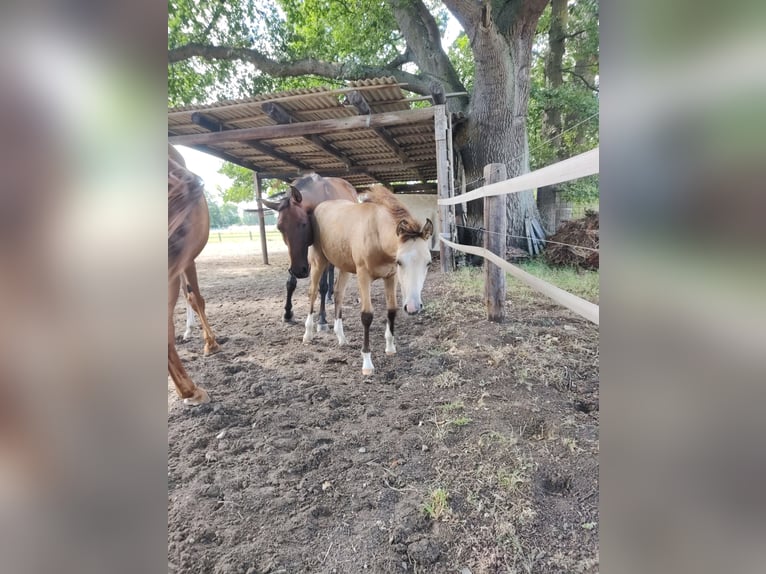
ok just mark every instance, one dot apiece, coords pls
pixel 222 50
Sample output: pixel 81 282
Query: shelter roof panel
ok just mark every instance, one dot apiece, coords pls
pixel 365 154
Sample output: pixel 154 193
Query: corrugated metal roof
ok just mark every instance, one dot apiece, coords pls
pixel 370 155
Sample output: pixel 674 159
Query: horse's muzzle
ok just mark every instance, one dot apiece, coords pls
pixel 414 310
pixel 301 272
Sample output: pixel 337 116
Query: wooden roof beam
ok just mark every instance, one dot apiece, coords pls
pixel 289 175
pixel 306 128
pixel 358 100
pixel 280 115
pixel 214 126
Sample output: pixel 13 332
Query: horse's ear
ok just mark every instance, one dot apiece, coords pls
pixel 402 228
pixel 297 197
pixel 428 229
pixel 271 204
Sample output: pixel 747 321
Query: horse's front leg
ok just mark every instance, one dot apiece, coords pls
pixel 322 294
pixel 318 265
pixel 195 300
pixel 389 285
pixel 292 282
pixel 365 282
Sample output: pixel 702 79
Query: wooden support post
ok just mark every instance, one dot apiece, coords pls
pixel 261 218
pixel 494 241
pixel 442 179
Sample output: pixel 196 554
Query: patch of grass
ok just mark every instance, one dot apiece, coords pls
pixel 511 480
pixel 469 280
pixel 582 283
pixel 460 421
pixel 453 406
pixel 446 380
pixel 436 505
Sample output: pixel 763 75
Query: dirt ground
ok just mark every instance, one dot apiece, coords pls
pixel 474 449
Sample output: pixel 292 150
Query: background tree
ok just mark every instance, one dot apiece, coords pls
pixel 564 100
pixel 242 188
pixel 358 39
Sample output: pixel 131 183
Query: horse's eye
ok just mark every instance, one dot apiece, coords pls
pixel 399 263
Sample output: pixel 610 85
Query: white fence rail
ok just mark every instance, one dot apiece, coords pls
pixel 573 168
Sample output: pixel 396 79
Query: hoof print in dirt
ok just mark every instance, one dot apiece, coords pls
pixel 586 406
pixel 424 551
pixel 557 485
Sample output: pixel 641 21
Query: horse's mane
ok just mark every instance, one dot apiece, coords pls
pixel 184 191
pixel 407 226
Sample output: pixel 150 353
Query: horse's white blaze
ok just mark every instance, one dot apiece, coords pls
pixel 367 367
pixel 338 328
pixel 412 259
pixel 190 321
pixel 309 334
pixel 390 347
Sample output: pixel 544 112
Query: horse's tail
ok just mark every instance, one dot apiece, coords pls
pixel 184 192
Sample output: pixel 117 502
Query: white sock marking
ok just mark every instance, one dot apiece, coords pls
pixel 367 367
pixel 390 347
pixel 338 328
pixel 190 321
pixel 309 334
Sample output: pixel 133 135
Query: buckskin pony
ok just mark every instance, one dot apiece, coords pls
pixel 295 225
pixel 375 239
pixel 188 231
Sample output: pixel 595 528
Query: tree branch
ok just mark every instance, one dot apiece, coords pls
pixel 584 81
pixel 421 32
pixel 307 66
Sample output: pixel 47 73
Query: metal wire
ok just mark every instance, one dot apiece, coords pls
pixel 525 237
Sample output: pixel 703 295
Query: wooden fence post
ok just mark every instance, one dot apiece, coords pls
pixel 261 218
pixel 441 132
pixel 494 240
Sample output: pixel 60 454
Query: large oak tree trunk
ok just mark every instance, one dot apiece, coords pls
pixel 496 128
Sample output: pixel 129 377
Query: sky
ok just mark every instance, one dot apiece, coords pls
pixel 207 166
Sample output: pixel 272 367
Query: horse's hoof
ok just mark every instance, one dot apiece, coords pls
pixel 211 349
pixel 288 317
pixel 199 397
pixel 323 327
pixel 307 338
pixel 391 352
pixel 367 372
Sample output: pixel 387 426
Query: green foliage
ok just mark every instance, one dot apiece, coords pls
pixel 577 102
pixel 461 56
pixel 242 187
pixel 580 282
pixel 229 215
pixel 353 31
pixel 246 24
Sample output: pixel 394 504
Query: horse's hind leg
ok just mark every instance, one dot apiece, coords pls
pixel 330 282
pixel 190 322
pixel 292 282
pixel 185 387
pixel 390 289
pixel 194 297
pixel 340 293
pixel 322 326
pixel 365 282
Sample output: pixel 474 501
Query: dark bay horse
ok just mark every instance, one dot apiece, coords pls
pixel 188 231
pixel 376 239
pixel 294 222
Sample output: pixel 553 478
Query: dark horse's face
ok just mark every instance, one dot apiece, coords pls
pixel 295 226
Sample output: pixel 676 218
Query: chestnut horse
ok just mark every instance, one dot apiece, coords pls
pixel 188 231
pixel 294 222
pixel 376 239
